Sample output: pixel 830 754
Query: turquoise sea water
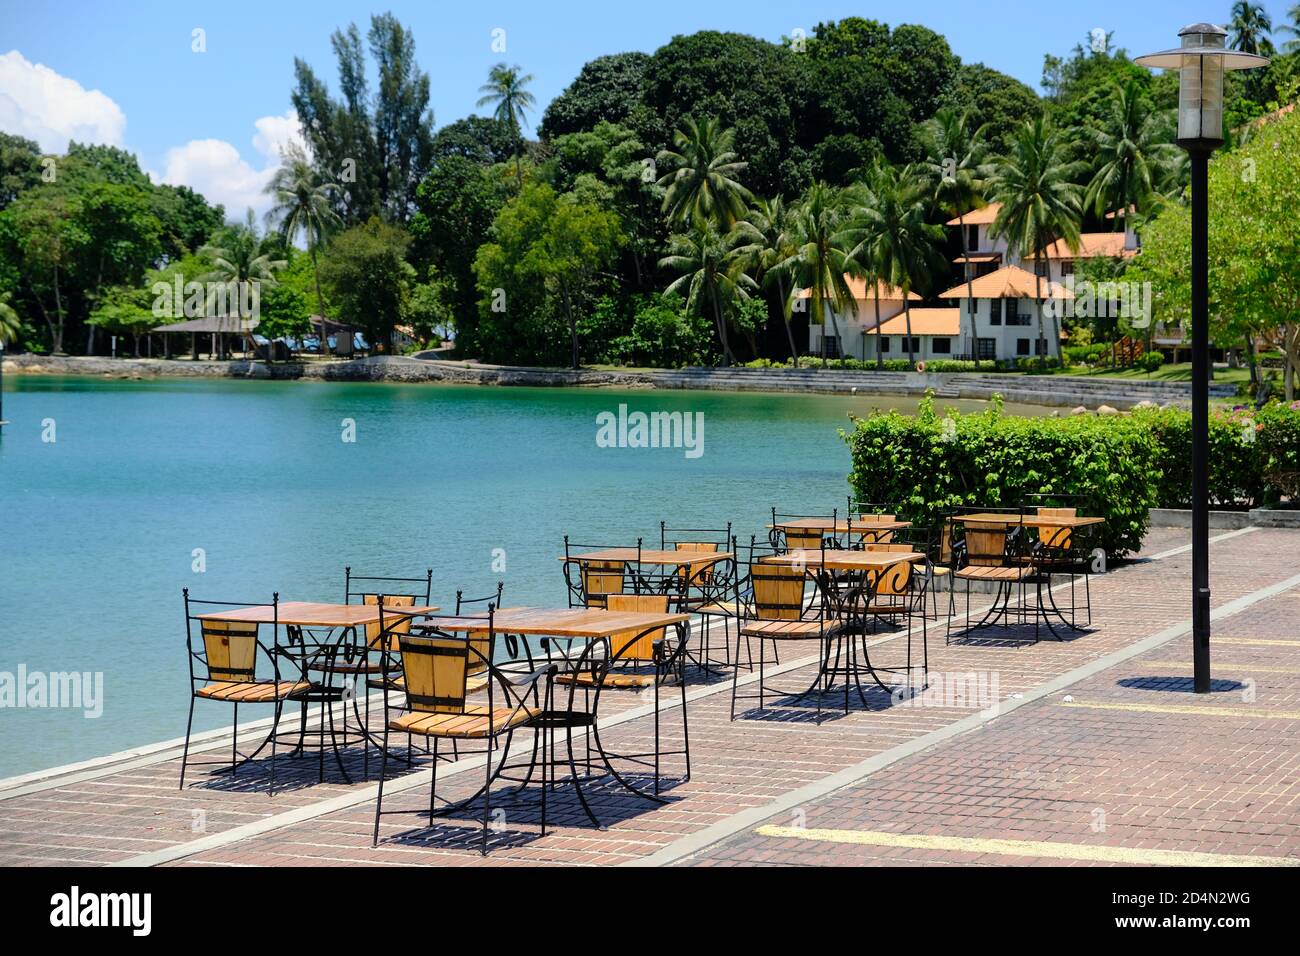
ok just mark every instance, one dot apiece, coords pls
pixel 99 527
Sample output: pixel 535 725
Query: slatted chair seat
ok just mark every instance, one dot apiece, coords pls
pixel 624 679
pixel 476 720
pixel 719 607
pixel 975 572
pixel 248 692
pixel 789 629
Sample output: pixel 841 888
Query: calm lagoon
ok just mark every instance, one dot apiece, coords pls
pixel 101 526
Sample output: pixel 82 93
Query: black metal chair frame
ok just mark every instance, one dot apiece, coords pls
pixel 430 628
pixel 1017 552
pixel 778 538
pixel 829 630
pixel 575 571
pixel 1073 559
pixel 201 675
pixel 856 508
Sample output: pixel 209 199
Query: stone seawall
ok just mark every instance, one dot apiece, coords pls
pixel 1053 390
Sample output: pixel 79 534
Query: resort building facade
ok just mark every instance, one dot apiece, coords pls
pixel 996 307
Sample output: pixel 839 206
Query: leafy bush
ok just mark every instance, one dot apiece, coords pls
pixel 927 465
pixel 1122 466
pixel 1038 364
pixel 663 335
pixel 1149 361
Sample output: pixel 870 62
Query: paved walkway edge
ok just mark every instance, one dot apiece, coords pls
pixel 696 843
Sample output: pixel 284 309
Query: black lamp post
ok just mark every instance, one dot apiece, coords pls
pixel 1201 61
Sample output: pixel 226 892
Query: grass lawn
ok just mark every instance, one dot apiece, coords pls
pixel 1182 372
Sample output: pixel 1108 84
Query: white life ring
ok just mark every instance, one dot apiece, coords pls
pixel 920 366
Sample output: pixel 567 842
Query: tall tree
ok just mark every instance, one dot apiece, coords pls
pixel 702 183
pixel 10 328
pixel 817 260
pixel 1293 28
pixel 904 247
pixel 237 257
pixel 956 151
pixel 1250 27
pixel 403 122
pixel 303 207
pixel 506 91
pixel 1133 154
pixel 763 239
pixel 1041 200
pixel 712 277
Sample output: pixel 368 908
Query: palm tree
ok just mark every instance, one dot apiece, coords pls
pixel 713 275
pixel 1134 157
pixel 816 260
pixel 702 184
pixel 1293 28
pixel 956 165
pixel 10 328
pixel 892 235
pixel 302 205
pixel 505 91
pixel 1250 27
pixel 762 238
pixel 1041 202
pixel 235 258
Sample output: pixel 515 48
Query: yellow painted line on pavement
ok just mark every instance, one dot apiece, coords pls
pixel 1206 711
pixel 1254 642
pixel 1131 856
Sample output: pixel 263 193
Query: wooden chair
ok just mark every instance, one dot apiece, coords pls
pixel 640 660
pixel 589 582
pixel 865 511
pixel 1062 550
pixel 802 539
pixel 777 610
pixel 438 668
pixel 223 667
pixel 990 551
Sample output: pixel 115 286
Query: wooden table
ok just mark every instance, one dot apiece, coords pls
pixel 1029 521
pixel 843 560
pixel 590 625
pixel 842 526
pixel 296 615
pixel 312 614
pixel 686 558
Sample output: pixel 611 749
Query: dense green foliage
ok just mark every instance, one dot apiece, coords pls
pixel 929 464
pixel 734 176
pixel 1122 466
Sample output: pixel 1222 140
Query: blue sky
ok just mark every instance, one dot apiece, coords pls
pixel 214 119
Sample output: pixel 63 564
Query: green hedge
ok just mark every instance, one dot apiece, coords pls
pixel 1254 454
pixel 902 365
pixel 1122 466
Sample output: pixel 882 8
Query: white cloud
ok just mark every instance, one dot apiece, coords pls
pixel 216 169
pixel 52 109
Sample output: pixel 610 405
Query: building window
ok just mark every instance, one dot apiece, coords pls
pixel 1041 267
pixel 884 343
pixel 830 347
pixel 1067 267
pixel 941 346
pixel 1040 346
pixel 986 349
pixel 972 238
pixel 1022 346
pixel 972 306
pixel 915 347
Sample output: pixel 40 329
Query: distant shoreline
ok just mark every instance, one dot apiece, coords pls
pixel 1061 391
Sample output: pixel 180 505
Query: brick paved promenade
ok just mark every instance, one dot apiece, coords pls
pixel 1096 753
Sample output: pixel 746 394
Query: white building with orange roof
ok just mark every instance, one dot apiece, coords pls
pixel 854 323
pixel 1000 314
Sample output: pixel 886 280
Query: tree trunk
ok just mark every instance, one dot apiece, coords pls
pixel 1038 296
pixel 320 298
pixel 56 332
pixel 907 320
pixel 835 324
pixel 880 354
pixel 789 333
pixel 573 325
pixel 727 358
pixel 970 290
